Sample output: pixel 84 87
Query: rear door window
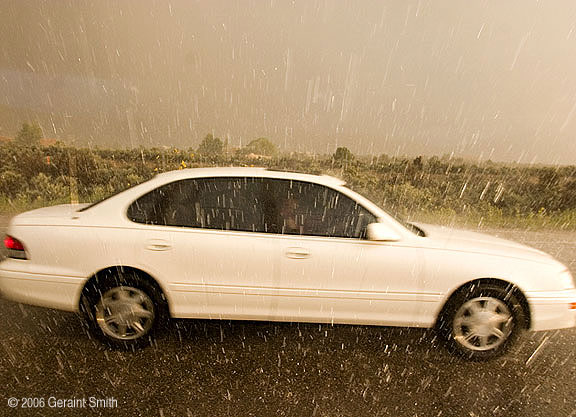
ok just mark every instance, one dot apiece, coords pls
pixel 208 203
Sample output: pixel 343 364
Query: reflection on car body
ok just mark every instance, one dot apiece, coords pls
pixel 250 243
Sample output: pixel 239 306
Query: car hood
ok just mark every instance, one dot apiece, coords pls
pixel 467 241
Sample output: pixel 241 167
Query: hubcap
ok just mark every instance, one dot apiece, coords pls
pixel 125 313
pixel 482 323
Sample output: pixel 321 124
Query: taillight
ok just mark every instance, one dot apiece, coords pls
pixel 15 248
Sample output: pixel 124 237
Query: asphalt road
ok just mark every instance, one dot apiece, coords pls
pixel 211 368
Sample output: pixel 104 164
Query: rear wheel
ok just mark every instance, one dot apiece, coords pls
pixel 125 313
pixel 123 309
pixel 482 322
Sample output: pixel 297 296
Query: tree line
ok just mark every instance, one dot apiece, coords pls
pixel 33 175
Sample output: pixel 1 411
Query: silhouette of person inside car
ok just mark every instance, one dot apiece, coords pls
pixel 289 217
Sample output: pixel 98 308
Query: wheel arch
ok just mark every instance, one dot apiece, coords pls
pixel 108 273
pixel 506 285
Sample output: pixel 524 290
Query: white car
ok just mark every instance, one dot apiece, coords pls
pixel 256 244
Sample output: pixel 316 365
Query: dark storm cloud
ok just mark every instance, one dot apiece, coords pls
pixel 483 79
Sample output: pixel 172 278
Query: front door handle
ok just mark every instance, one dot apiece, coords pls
pixel 158 245
pixel 297 253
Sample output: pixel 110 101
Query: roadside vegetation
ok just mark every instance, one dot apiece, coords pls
pixel 439 190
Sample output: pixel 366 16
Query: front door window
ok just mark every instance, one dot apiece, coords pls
pixel 302 208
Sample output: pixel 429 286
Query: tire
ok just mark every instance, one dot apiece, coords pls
pixel 481 322
pixel 124 310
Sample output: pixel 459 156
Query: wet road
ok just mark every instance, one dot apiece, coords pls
pixel 210 368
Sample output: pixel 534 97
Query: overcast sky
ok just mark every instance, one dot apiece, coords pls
pixel 481 79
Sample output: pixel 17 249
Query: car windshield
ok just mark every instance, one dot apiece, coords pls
pixel 413 228
pixel 394 214
pixel 406 223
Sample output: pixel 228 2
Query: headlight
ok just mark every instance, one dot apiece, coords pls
pixel 567 279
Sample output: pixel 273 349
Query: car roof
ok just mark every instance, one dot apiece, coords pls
pixel 249 172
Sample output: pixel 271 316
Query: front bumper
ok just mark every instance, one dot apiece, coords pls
pixel 54 291
pixel 551 309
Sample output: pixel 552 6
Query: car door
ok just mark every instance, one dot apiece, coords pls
pixel 329 272
pixel 212 249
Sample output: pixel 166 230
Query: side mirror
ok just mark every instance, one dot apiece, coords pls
pixel 381 232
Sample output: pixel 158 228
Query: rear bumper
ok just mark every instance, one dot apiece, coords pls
pixel 551 309
pixel 54 291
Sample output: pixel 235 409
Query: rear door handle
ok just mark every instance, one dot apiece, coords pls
pixel 297 253
pixel 158 245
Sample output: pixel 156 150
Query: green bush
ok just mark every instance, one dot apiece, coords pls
pixel 11 183
pixel 45 188
pixel 435 188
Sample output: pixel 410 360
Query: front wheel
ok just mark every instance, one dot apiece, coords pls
pixel 482 322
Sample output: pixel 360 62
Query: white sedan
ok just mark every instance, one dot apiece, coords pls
pixel 256 244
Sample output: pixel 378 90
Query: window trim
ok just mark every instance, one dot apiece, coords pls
pixel 376 216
